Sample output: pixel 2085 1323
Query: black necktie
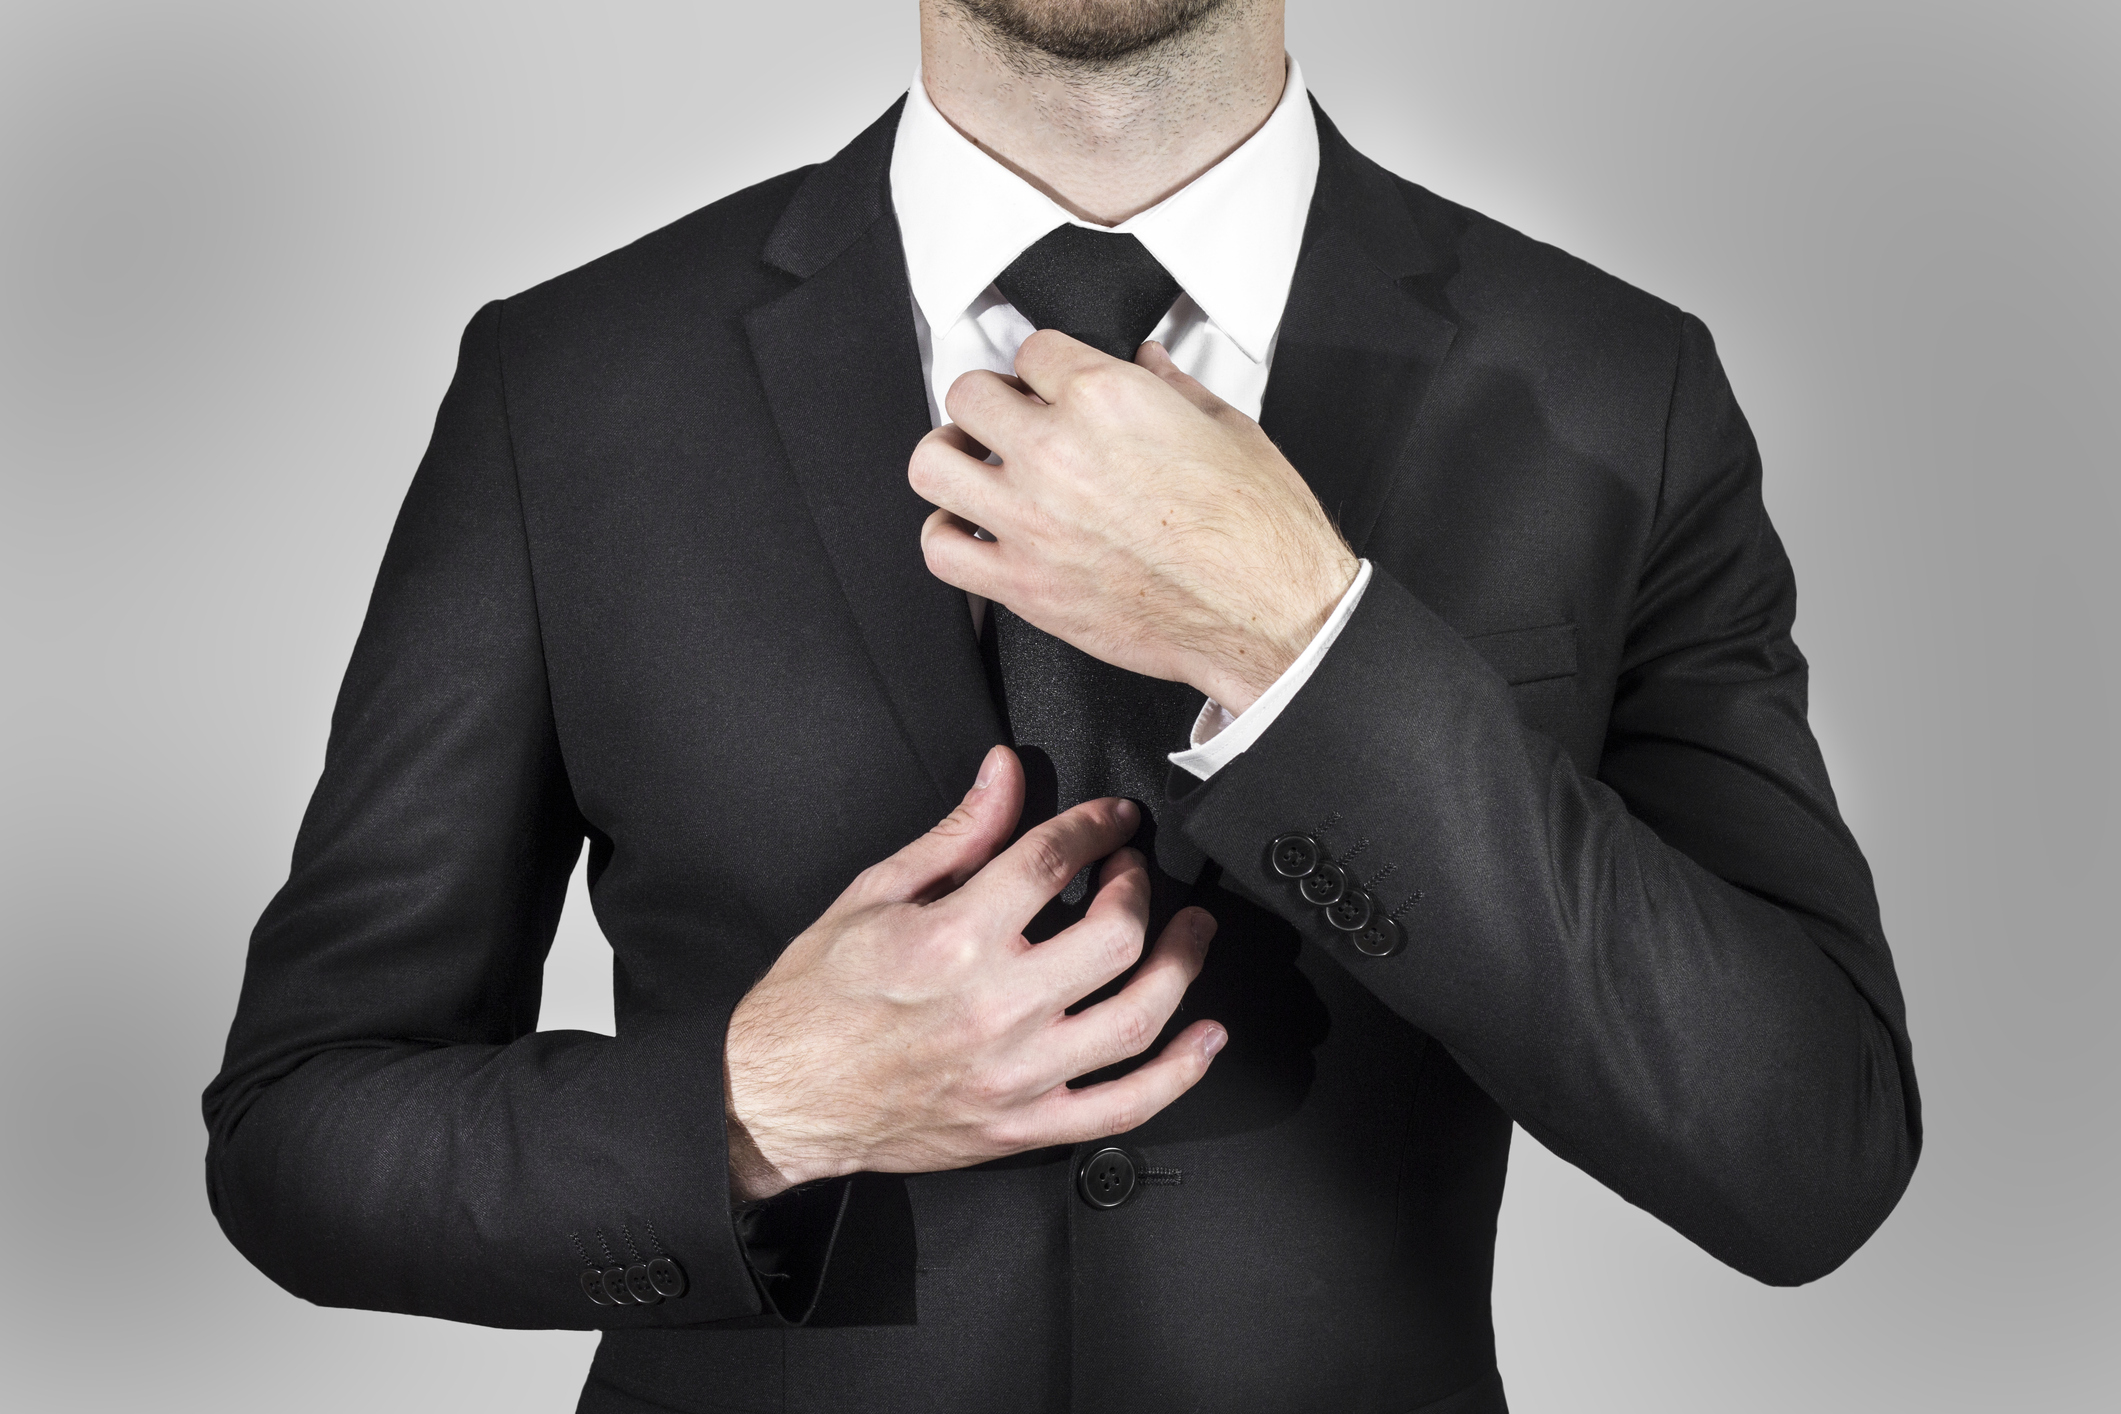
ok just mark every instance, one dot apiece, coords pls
pixel 1084 728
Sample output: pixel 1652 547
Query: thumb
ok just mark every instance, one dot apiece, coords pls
pixel 1157 359
pixel 964 840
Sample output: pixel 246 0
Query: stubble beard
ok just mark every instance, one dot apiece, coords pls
pixel 1089 32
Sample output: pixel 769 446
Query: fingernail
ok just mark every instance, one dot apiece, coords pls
pixel 1128 812
pixel 1204 926
pixel 1213 1042
pixel 987 768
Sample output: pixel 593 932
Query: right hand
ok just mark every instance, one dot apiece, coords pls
pixel 912 1028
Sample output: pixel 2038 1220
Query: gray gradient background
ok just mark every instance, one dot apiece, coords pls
pixel 238 241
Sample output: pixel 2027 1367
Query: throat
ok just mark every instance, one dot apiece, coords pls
pixel 1106 136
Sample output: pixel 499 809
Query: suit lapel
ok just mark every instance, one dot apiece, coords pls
pixel 1357 351
pixel 842 375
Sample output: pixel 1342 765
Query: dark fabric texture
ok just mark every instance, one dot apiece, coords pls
pixel 1085 728
pixel 1102 287
pixel 658 585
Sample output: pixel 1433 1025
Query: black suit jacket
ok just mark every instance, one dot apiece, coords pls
pixel 657 586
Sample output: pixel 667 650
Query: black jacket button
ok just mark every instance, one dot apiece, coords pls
pixel 615 1286
pixel 1350 912
pixel 1380 937
pixel 667 1277
pixel 593 1287
pixel 1323 885
pixel 1293 856
pixel 1107 1179
pixel 642 1288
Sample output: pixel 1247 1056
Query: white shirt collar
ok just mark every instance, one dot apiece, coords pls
pixel 1230 237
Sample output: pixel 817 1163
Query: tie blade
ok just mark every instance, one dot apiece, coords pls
pixel 1105 731
pixel 1085 729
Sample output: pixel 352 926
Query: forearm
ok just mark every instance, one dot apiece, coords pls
pixel 389 1130
pixel 478 1182
pixel 1690 1043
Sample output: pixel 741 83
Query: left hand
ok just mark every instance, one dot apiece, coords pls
pixel 1136 516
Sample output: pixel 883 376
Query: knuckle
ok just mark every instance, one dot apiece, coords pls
pixel 936 550
pixel 1133 1030
pixel 961 388
pixel 962 945
pixel 1092 379
pixel 989 1022
pixel 1006 1135
pixel 1107 387
pixel 957 822
pixel 1121 946
pixel 991 1088
pixel 945 948
pixel 1048 859
pixel 882 877
pixel 1126 1113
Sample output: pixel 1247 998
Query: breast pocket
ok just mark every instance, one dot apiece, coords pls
pixel 1539 664
pixel 1529 655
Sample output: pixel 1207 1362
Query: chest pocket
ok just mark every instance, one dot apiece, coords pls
pixel 1539 664
pixel 1529 655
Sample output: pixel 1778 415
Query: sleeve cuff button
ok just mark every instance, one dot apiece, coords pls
pixel 1380 937
pixel 1350 913
pixel 1293 856
pixel 1324 885
pixel 593 1287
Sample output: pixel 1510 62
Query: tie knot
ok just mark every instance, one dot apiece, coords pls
pixel 1101 287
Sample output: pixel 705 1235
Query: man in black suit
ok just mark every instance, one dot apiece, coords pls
pixel 1453 696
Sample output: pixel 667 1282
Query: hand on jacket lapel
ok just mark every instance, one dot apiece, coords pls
pixel 1135 515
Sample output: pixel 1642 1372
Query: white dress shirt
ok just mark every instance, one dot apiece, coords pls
pixel 1229 238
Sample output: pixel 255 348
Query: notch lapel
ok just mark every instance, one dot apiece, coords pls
pixel 842 373
pixel 1357 352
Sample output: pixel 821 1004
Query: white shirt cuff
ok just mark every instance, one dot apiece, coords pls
pixel 1220 738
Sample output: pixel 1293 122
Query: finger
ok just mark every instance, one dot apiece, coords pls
pixel 943 472
pixel 1016 885
pixel 1122 1026
pixel 965 839
pixel 995 411
pixel 1049 361
pixel 964 441
pixel 1157 359
pixel 1065 1116
pixel 1106 941
pixel 957 557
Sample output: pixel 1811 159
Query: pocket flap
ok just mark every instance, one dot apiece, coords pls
pixel 1525 655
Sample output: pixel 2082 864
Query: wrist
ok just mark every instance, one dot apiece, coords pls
pixel 1268 642
pixel 752 1176
pixel 754 1171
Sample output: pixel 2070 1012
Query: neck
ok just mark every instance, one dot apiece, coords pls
pixel 1106 138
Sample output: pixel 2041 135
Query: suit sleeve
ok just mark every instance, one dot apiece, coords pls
pixel 1670 972
pixel 389 1129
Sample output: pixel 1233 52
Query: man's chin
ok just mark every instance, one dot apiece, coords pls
pixel 1091 31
